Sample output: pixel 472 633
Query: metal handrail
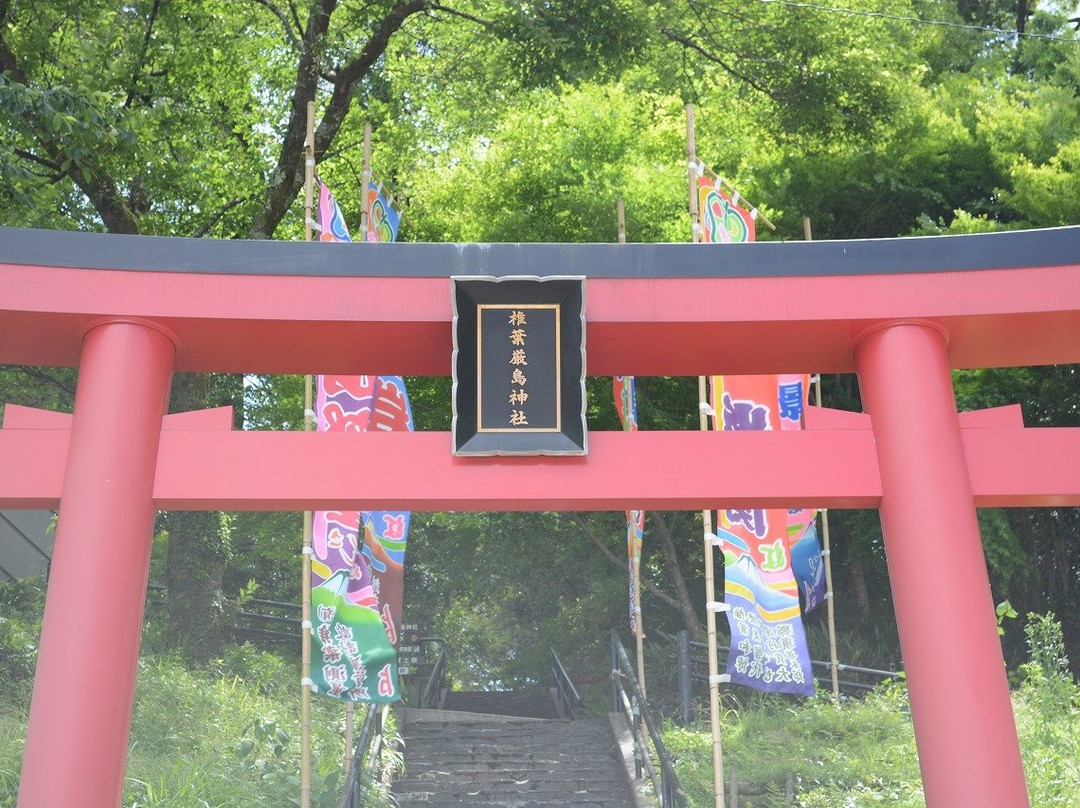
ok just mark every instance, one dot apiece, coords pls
pixel 818 663
pixel 366 758
pixel 691 668
pixel 567 695
pixel 435 683
pixel 628 693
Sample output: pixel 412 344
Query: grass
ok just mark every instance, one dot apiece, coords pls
pixel 210 739
pixel 216 739
pixel 228 735
pixel 862 753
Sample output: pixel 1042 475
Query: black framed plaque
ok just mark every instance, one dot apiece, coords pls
pixel 519 366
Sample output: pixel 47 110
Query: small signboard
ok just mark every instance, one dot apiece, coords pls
pixel 519 366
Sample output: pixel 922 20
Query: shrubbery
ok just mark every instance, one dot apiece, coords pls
pixel 863 752
pixel 226 734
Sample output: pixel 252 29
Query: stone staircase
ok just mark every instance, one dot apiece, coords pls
pixel 488 756
pixel 519 703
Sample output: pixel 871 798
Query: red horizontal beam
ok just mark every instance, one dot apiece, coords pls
pixel 642 326
pixel 292 471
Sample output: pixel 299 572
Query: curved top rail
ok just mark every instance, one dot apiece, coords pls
pixel 1003 299
pixel 1004 250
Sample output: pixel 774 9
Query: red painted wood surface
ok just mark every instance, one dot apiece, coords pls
pixel 84 683
pixel 964 728
pixel 217 470
pixel 669 326
pixel 901 460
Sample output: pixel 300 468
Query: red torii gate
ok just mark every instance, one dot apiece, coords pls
pixel 128 311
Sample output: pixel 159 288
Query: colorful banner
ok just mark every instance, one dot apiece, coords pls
pixel 329 217
pixel 625 393
pixel 383 220
pixel 768 644
pixel 386 532
pixel 808 566
pixel 806 560
pixel 722 220
pixel 356 596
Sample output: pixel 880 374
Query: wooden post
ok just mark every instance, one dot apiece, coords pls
pixel 305 616
pixel 710 622
pixel 960 706
pixel 706 516
pixel 83 689
pixel 826 551
pixel 365 213
pixel 620 209
pixel 639 632
pixel 365 180
pixel 691 174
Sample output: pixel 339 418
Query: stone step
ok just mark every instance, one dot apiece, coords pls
pixel 510 763
pixel 529 703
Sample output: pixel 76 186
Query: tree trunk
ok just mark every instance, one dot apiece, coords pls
pixel 671 564
pixel 858 583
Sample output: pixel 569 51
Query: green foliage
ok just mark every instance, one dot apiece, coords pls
pixel 1048 716
pixel 571 40
pixel 555 166
pixel 1004 611
pixel 862 752
pixel 477 583
pixel 205 738
pixel 224 739
pixel 21 606
pixel 1047 649
pixel 864 748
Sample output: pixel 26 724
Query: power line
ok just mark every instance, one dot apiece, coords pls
pixel 986 29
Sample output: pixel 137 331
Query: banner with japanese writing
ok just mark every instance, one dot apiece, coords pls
pixel 625 393
pixel 806 560
pixel 383 220
pixel 386 532
pixel 329 219
pixel 768 649
pixel 357 556
pixel 723 221
pixel 768 645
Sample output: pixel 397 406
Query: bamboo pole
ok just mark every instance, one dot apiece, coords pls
pixel 691 175
pixel 365 181
pixel 706 515
pixel 350 712
pixel 305 615
pixel 639 631
pixel 716 177
pixel 826 550
pixel 309 170
pixel 710 624
pixel 365 212
pixel 640 626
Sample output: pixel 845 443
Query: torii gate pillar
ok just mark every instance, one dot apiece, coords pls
pixel 964 726
pixel 81 706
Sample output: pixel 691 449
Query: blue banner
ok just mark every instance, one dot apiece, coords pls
pixel 809 567
pixel 768 646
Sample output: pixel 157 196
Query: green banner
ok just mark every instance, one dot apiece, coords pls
pixel 352 658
